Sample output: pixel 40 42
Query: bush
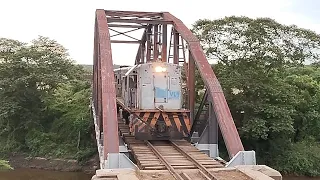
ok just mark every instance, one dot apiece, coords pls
pixel 4 165
pixel 302 158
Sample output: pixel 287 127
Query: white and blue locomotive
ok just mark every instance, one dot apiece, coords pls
pixel 150 96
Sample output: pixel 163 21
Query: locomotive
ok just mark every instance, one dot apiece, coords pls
pixel 149 97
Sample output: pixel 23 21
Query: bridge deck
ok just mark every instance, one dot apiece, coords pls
pixel 146 159
pixel 150 164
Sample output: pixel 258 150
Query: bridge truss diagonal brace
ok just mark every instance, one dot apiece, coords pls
pixel 104 89
pixel 224 117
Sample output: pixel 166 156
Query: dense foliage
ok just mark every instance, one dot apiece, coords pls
pixel 4 165
pixel 273 96
pixel 44 100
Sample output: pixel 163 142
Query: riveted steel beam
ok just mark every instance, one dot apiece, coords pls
pixel 104 86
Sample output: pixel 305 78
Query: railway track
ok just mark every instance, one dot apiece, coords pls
pixel 172 151
pixel 180 158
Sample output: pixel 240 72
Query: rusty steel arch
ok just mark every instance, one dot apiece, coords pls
pixel 153 45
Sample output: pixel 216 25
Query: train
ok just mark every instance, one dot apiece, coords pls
pixel 149 98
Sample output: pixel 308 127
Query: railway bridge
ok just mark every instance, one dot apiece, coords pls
pixel 122 156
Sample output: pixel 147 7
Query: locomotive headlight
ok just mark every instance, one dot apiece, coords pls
pixel 160 69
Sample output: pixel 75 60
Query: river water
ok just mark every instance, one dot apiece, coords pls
pixel 35 174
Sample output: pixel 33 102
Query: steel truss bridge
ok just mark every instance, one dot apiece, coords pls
pixel 165 37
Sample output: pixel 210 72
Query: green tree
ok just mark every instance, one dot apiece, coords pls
pixel 267 98
pixel 68 123
pixel 307 118
pixel 29 74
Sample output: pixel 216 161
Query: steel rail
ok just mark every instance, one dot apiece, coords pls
pixel 165 162
pixel 200 166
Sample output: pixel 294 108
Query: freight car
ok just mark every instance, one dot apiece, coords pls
pixel 150 98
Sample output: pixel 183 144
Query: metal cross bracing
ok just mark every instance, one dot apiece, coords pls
pixel 184 49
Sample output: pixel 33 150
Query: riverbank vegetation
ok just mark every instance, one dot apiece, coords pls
pixel 44 101
pixel 4 165
pixel 273 95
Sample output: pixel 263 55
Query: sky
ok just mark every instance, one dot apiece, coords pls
pixel 71 23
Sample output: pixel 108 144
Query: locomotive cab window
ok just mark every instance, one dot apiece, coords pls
pixel 133 81
pixel 125 83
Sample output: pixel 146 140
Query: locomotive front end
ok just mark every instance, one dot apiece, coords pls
pixel 159 114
